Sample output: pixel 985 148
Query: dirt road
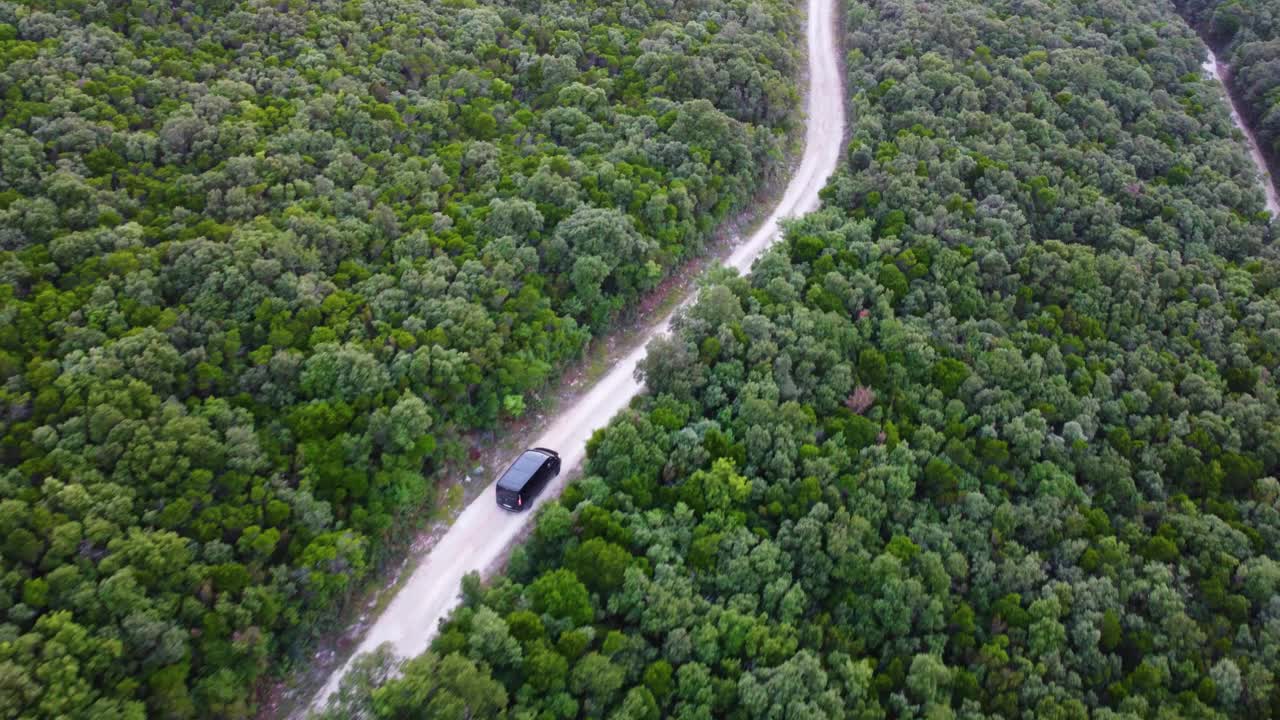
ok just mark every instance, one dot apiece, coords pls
pixel 1217 71
pixel 483 531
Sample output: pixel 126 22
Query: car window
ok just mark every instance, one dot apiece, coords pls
pixel 521 470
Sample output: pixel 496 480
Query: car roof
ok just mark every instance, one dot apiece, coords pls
pixel 521 470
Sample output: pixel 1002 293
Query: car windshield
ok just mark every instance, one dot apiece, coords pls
pixel 520 472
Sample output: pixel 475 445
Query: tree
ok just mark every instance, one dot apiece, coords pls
pixel 368 673
pixel 438 688
pixel 596 680
pixel 599 563
pixel 490 641
pixel 637 705
pixel 717 489
pixel 561 595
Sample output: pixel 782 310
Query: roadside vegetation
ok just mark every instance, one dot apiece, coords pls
pixel 1246 34
pixel 993 434
pixel 262 265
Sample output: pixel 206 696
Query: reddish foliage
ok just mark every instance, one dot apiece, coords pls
pixel 860 399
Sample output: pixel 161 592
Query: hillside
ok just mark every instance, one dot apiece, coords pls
pixel 994 434
pixel 263 265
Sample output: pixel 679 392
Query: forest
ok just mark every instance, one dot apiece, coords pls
pixel 1247 34
pixel 266 266
pixel 993 434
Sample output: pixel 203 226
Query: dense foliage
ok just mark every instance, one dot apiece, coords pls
pixel 992 435
pixel 1247 34
pixel 263 264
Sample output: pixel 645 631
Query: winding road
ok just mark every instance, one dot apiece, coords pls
pixel 483 532
pixel 1216 70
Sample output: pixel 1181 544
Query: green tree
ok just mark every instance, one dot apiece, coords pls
pixel 435 687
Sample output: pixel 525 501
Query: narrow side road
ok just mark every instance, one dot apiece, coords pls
pixel 1215 70
pixel 484 531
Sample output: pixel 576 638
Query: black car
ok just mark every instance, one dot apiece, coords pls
pixel 526 477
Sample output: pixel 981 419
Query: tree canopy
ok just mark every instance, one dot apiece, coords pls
pixel 992 434
pixel 264 266
pixel 1247 34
